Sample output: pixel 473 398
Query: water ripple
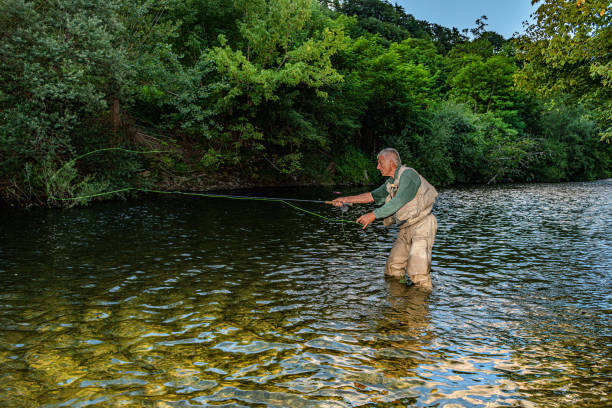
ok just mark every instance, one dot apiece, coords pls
pixel 154 304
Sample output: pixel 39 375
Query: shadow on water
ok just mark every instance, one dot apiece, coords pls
pixel 181 302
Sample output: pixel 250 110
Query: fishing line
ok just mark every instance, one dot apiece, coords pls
pixel 206 195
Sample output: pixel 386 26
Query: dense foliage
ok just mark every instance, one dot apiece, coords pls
pixel 568 51
pixel 251 92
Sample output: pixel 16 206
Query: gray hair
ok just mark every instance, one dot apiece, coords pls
pixel 392 153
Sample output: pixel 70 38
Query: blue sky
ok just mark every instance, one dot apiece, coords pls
pixel 504 16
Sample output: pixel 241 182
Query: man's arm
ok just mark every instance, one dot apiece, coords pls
pixel 363 198
pixel 375 196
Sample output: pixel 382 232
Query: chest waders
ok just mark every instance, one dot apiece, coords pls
pixel 411 252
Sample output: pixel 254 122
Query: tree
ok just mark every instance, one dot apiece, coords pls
pixel 285 51
pixel 481 147
pixel 200 22
pixel 570 147
pixel 568 50
pixel 486 85
pixel 381 17
pixel 398 85
pixel 446 38
pixel 61 64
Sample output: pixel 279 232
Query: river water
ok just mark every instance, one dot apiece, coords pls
pixel 190 302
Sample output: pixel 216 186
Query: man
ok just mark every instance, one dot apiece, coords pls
pixel 405 199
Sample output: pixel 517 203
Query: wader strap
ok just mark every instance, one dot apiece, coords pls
pixel 395 185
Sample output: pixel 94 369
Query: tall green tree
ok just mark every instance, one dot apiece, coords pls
pixel 397 85
pixel 567 50
pixel 285 52
pixel 487 85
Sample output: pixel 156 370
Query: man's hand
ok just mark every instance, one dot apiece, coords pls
pixel 339 202
pixel 366 219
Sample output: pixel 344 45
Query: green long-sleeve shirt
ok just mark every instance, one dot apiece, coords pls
pixel 408 186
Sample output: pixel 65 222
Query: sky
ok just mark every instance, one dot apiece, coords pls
pixel 504 16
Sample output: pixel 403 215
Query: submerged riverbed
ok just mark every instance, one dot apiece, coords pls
pixel 189 302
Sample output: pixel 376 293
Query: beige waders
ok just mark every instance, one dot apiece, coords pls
pixel 411 252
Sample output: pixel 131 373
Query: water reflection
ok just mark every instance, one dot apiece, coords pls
pixel 182 302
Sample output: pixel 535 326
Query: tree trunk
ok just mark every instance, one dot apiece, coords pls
pixel 115 115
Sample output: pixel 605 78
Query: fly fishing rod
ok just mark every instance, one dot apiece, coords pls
pixel 343 208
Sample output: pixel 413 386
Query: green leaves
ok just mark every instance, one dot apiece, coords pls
pixel 63 64
pixel 567 51
pixel 288 88
pixel 278 52
pixel 286 45
pixel 485 84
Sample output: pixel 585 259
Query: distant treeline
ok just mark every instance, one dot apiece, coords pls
pixel 253 92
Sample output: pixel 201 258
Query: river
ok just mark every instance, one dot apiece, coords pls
pixel 190 302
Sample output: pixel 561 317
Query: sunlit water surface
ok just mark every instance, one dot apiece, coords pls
pixel 189 302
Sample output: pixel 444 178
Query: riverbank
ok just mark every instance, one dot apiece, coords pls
pixel 141 162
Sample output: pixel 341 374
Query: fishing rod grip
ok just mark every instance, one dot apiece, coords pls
pixel 332 203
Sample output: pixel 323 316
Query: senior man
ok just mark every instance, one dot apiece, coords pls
pixel 405 199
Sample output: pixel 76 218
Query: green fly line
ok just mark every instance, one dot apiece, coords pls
pixel 148 190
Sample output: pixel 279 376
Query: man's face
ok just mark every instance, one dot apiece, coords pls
pixel 386 166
